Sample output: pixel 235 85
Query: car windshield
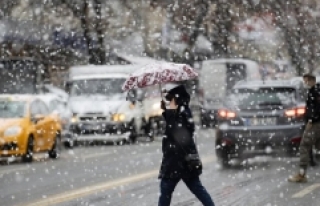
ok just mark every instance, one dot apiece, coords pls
pixel 12 109
pixel 262 97
pixel 105 86
pixel 151 92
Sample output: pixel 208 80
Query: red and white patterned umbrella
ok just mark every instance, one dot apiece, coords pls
pixel 159 73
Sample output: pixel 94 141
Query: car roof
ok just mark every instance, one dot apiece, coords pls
pixel 267 84
pixel 47 98
pixel 18 97
pixel 301 79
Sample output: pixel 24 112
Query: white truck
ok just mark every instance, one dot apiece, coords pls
pixel 217 77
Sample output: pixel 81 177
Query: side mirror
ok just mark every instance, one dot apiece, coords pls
pixel 36 118
pixel 68 87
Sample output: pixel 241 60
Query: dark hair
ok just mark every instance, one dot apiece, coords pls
pixel 169 97
pixel 310 77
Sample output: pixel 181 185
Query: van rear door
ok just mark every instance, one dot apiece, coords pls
pixel 212 80
pixel 235 73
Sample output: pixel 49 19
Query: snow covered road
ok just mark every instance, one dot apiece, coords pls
pixel 127 176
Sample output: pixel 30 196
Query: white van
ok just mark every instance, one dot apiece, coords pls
pixel 217 77
pixel 102 111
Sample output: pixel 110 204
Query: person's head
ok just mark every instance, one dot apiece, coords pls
pixel 178 97
pixel 309 80
pixel 172 101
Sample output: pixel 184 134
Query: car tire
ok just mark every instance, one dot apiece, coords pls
pixel 153 130
pixel 69 144
pixel 222 154
pixel 224 160
pixel 55 151
pixel 28 156
pixel 133 133
pixel 121 142
pixel 204 124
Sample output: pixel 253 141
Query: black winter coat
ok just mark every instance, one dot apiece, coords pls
pixel 174 149
pixel 313 104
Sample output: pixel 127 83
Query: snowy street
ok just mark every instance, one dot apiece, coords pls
pixel 127 176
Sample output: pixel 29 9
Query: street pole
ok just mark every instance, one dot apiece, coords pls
pixel 101 51
pixel 166 31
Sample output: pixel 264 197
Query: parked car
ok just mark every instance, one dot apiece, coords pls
pixel 59 108
pixel 260 118
pixel 27 127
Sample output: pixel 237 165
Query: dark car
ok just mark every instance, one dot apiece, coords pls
pixel 260 118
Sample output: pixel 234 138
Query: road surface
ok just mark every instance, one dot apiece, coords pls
pixel 127 176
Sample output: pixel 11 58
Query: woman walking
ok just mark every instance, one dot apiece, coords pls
pixel 180 156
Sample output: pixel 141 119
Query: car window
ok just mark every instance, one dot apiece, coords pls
pixel 12 109
pixel 60 105
pixel 43 108
pixel 34 108
pixel 53 105
pixel 151 92
pixel 235 73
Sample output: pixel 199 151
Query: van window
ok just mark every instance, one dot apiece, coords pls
pixel 235 73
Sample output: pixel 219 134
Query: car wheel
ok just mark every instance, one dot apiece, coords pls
pixel 55 151
pixel 133 133
pixel 224 160
pixel 121 142
pixel 223 156
pixel 204 124
pixel 153 129
pixel 28 156
pixel 69 144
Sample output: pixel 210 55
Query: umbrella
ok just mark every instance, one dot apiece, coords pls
pixel 159 73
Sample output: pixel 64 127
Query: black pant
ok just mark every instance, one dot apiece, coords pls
pixel 167 187
pixel 311 156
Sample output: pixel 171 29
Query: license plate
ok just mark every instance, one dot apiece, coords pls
pixel 260 121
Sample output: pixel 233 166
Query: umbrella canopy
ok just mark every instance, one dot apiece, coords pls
pixel 159 73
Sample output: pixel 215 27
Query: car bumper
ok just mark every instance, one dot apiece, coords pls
pixel 102 131
pixel 263 140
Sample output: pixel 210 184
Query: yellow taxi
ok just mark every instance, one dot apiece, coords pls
pixel 27 127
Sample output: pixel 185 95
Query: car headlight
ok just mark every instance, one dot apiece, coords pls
pixel 118 117
pixel 12 131
pixel 74 118
pixel 156 106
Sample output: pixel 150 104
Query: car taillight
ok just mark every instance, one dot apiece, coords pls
pixel 226 114
pixel 296 140
pixel 295 112
pixel 226 142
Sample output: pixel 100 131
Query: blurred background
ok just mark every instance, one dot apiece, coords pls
pixel 61 33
